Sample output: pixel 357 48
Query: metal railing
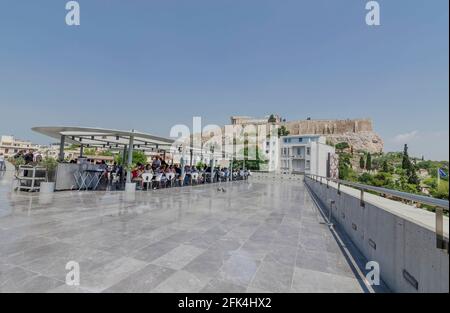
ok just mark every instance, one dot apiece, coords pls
pixel 440 205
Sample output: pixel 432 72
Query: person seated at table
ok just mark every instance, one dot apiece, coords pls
pixel 148 169
pixel 226 173
pixel 165 173
pixel 104 167
pixel 187 175
pixel 136 174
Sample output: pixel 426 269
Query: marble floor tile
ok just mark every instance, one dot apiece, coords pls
pixel 255 237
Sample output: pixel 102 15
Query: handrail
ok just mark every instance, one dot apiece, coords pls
pixel 440 205
pixel 400 194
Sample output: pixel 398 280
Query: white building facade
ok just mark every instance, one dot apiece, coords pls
pixel 305 154
pixel 10 146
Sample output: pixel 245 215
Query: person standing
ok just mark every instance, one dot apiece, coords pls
pixel 2 162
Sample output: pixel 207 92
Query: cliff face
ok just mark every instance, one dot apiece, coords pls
pixel 364 141
pixel 357 133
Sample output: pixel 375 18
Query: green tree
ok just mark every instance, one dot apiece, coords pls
pixel 366 178
pixel 253 159
pixel 282 131
pixel 369 162
pixel 385 167
pixel 362 163
pixel 405 160
pixel 441 191
pixel 272 119
pixel 89 151
pixel 138 157
pixel 342 146
pixel 106 153
pixel 73 147
pixel 412 175
pixel 345 166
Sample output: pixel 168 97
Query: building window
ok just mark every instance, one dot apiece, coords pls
pixel 308 164
pixel 308 151
pixel 300 139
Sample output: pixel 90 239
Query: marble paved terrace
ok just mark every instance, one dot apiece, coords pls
pixel 255 237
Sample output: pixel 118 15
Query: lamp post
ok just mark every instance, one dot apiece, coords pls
pixel 130 187
pixel 212 163
pixel 181 151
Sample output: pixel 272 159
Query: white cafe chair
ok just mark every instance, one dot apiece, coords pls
pixel 157 179
pixel 147 179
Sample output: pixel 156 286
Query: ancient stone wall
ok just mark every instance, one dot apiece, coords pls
pixel 328 127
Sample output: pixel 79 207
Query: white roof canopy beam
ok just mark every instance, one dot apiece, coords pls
pixel 107 138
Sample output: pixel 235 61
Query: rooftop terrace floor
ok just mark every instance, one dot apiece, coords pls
pixel 254 237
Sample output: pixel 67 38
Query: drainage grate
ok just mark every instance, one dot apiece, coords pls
pixel 372 244
pixel 410 279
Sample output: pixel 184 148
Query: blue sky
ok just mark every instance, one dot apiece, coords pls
pixel 151 64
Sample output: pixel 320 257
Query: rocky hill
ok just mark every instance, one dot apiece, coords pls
pixel 358 133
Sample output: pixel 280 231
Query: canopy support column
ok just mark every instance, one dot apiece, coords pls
pixel 124 154
pixel 130 159
pixel 212 168
pixel 61 148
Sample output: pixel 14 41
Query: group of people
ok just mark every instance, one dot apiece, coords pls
pixel 29 157
pixel 159 174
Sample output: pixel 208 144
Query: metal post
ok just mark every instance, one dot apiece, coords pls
pixel 212 167
pixel 61 148
pixel 231 170
pixel 81 151
pixel 362 198
pixel 439 228
pixel 182 166
pixel 130 158
pixel 124 154
pixel 330 212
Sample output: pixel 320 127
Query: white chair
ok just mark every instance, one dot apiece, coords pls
pixel 147 179
pixel 170 178
pixel 157 179
pixel 194 177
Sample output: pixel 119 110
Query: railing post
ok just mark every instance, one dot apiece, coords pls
pixel 439 228
pixel 327 183
pixel 362 198
pixel 339 188
pixel 330 212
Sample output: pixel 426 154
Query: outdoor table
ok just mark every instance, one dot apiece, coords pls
pixel 94 177
pixel 89 178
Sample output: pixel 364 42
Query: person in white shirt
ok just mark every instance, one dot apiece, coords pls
pixel 2 162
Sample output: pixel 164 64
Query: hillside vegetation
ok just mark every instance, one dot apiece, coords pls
pixel 394 170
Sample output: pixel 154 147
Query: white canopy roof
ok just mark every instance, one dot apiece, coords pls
pixel 106 138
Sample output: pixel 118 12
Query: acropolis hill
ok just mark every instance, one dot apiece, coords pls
pixel 358 133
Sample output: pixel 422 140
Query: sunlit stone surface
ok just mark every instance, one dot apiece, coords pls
pixel 255 237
